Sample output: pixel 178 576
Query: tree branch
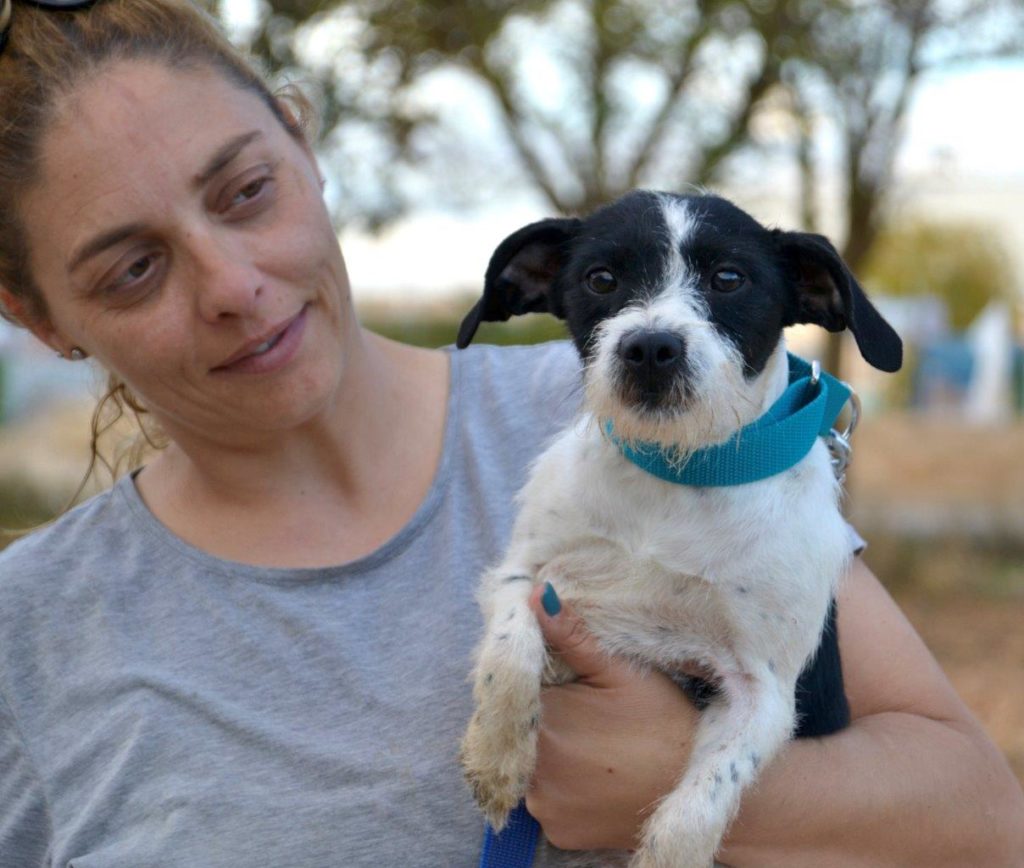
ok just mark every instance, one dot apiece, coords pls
pixel 676 89
pixel 515 124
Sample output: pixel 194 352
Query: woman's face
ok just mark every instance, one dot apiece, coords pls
pixel 176 230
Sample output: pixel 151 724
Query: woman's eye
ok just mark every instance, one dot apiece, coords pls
pixel 135 272
pixel 249 191
pixel 727 280
pixel 133 282
pixel 601 281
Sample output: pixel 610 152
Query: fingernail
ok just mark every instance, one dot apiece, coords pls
pixel 549 600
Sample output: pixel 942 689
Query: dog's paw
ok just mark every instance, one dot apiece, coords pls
pixel 498 755
pixel 496 794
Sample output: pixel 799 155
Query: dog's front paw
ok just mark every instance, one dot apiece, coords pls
pixel 496 794
pixel 498 755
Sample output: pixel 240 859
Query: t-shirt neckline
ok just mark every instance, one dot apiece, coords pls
pixel 389 550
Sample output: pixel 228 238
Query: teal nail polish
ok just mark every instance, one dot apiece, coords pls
pixel 549 600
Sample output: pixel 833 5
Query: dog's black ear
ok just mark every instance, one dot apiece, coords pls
pixel 520 277
pixel 828 295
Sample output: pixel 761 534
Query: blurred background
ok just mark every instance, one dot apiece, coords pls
pixel 889 126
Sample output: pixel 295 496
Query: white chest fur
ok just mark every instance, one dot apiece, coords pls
pixel 715 564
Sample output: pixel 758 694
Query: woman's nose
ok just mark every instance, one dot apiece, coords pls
pixel 227 281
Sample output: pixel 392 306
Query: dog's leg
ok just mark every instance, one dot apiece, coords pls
pixel 738 734
pixel 500 746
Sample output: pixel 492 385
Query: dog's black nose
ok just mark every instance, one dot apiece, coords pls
pixel 653 360
pixel 653 351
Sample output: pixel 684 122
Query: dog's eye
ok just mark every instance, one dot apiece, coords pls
pixel 601 281
pixel 727 280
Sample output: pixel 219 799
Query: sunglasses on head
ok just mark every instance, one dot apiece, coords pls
pixel 7 12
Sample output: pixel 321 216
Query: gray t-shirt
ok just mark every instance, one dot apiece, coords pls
pixel 160 707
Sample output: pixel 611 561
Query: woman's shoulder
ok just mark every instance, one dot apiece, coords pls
pixel 56 552
pixel 513 357
pixel 510 401
pixel 544 377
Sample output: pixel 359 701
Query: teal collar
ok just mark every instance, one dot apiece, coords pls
pixel 774 443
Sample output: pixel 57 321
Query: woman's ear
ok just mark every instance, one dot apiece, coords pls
pixel 18 310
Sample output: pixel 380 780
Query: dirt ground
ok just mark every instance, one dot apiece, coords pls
pixel 942 506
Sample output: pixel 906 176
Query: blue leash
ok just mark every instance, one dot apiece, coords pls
pixel 514 846
pixel 774 443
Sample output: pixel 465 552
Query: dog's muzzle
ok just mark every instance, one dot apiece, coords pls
pixel 652 364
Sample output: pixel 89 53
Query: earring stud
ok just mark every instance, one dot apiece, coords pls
pixel 76 355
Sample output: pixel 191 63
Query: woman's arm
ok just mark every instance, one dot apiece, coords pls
pixel 913 781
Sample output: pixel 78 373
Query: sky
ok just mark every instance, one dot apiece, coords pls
pixel 971 119
pixel 963 155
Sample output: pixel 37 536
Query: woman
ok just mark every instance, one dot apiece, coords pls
pixel 188 675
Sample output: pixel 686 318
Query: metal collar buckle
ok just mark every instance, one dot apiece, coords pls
pixel 838 442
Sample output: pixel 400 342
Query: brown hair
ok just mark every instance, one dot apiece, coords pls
pixel 50 52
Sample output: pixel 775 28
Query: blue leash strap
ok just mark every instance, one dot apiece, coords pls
pixel 514 846
pixel 774 443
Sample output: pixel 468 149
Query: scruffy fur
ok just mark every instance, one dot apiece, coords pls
pixel 734 580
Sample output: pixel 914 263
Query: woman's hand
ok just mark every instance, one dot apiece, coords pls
pixel 912 781
pixel 610 745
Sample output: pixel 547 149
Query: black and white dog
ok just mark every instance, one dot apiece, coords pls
pixel 676 305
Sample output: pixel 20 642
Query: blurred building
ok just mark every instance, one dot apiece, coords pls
pixel 975 375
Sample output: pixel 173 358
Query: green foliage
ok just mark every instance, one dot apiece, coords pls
pixel 22 506
pixel 951 564
pixel 437 330
pixel 964 264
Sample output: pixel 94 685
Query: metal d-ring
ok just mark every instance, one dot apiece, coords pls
pixel 838 443
pixel 854 400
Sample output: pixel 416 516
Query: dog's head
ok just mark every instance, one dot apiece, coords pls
pixel 677 305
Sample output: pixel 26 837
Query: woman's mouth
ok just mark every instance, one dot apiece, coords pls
pixel 262 348
pixel 272 353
